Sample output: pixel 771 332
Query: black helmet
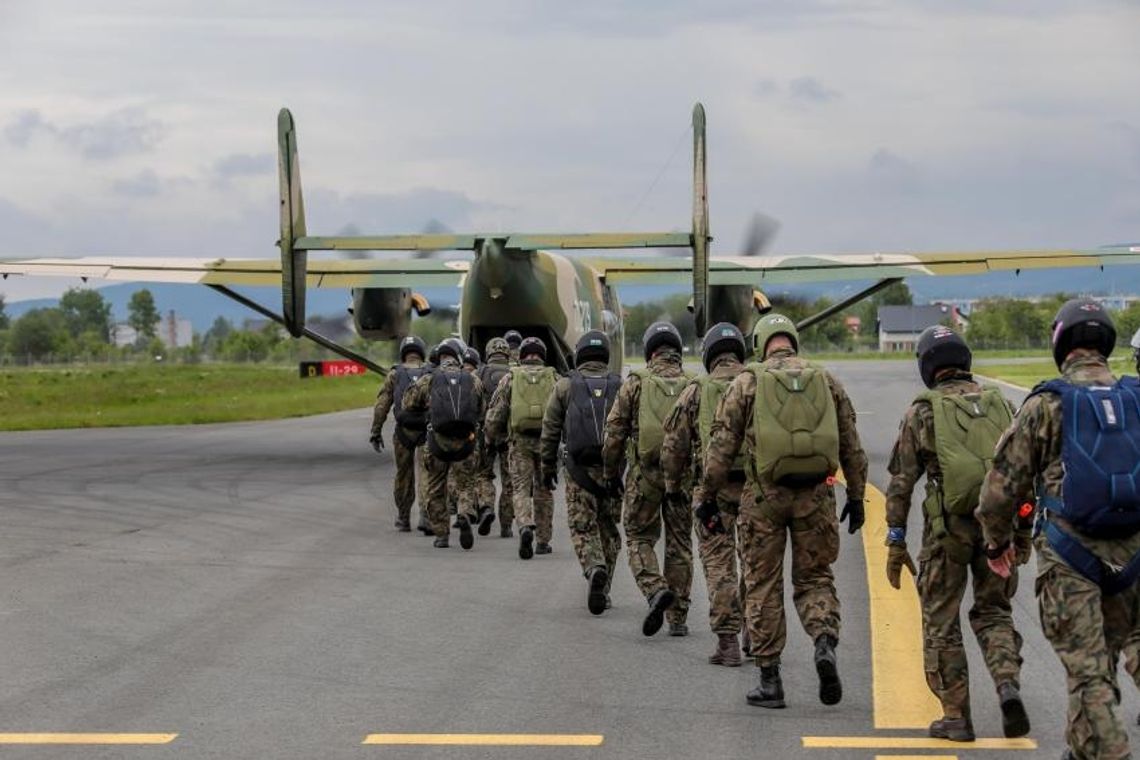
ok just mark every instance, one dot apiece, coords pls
pixel 940 347
pixel 471 356
pixel 412 345
pixel 1082 323
pixel 513 338
pixel 593 346
pixel 660 334
pixel 452 347
pixel 433 357
pixel 532 346
pixel 720 339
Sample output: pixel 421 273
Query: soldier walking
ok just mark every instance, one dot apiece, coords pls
pixel 1074 444
pixel 687 432
pixel 498 365
pixel 638 417
pixel 949 434
pixel 576 414
pixel 797 426
pixel 515 416
pixel 410 427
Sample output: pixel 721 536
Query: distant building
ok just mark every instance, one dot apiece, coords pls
pixel 123 334
pixel 900 326
pixel 175 332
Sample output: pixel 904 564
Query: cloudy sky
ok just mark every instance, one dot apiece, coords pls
pixel 146 127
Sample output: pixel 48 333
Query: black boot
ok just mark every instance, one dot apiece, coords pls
pixel 770 692
pixel 423 526
pixel 466 537
pixel 526 543
pixel 440 542
pixel 830 689
pixel 486 518
pixel 952 729
pixel 661 600
pixel 1014 719
pixel 403 525
pixel 596 600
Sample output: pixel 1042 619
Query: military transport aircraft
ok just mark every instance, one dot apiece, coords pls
pixel 516 280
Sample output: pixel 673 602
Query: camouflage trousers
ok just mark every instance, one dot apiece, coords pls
pixel 941 586
pixel 404 484
pixel 645 512
pixel 718 553
pixel 808 516
pixel 485 486
pixel 593 525
pixel 534 505
pixel 444 476
pixel 1088 631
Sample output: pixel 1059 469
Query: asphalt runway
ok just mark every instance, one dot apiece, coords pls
pixel 241 586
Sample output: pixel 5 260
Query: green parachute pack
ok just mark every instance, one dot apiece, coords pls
pixel 712 389
pixel 966 431
pixel 531 386
pixel 658 397
pixel 796 425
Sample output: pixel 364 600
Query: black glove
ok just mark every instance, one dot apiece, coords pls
pixel 853 509
pixel 616 487
pixel 550 479
pixel 377 442
pixel 709 515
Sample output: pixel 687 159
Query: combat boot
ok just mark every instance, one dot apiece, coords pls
pixel 661 600
pixel 952 729
pixel 423 526
pixel 440 542
pixel 1014 719
pixel 403 525
pixel 830 689
pixel 596 599
pixel 770 692
pixel 678 629
pixel 727 651
pixel 506 531
pixel 542 548
pixel 526 543
pixel 486 518
pixel 466 537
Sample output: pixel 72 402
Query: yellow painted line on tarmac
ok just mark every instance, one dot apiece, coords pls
pixel 900 695
pixel 501 740
pixel 75 738
pixel 916 757
pixel 912 742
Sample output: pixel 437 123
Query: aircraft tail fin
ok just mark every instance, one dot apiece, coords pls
pixel 701 238
pixel 294 260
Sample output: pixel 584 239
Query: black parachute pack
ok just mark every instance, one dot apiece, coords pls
pixel 590 402
pixel 454 411
pixel 410 426
pixel 490 374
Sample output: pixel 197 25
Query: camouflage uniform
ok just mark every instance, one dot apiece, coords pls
pixel 942 578
pixel 646 510
pixel 769 512
pixel 681 455
pixel 593 521
pixel 408 459
pixel 1087 629
pixel 485 484
pixel 418 397
pixel 534 505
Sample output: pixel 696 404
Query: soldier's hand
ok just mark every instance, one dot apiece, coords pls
pixel 1001 561
pixel 550 479
pixel 898 558
pixel 709 515
pixel 853 509
pixel 377 442
pixel 1023 546
pixel 616 487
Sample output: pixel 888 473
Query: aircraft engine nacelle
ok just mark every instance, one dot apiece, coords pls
pixel 736 304
pixel 386 313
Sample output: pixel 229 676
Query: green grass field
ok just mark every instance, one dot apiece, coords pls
pixel 1029 374
pixel 148 394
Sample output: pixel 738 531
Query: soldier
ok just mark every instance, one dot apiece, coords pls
pixel 410 426
pixel 514 340
pixel 497 366
pixel 471 359
pixel 516 416
pixel 471 362
pixel 1135 343
pixel 1076 440
pixel 424 526
pixel 949 434
pixel 797 425
pixel 577 413
pixel 638 417
pixel 687 433
pixel 454 401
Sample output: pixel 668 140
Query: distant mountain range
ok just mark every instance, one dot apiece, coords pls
pixel 202 306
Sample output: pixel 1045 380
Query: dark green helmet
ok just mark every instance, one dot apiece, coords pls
pixel 1082 323
pixel 593 346
pixel 939 347
pixel 498 346
pixel 659 335
pixel 532 347
pixel 722 338
pixel 768 327
pixel 413 345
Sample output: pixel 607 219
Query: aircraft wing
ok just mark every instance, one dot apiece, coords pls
pixel 335 273
pixel 761 270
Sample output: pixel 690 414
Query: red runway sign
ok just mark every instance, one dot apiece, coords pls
pixel 339 368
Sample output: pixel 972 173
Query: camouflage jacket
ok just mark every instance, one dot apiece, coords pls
pixel 418 397
pixel 1030 451
pixel 915 454
pixel 555 417
pixel 732 428
pixel 621 425
pixel 497 425
pixel 385 397
pixel 683 449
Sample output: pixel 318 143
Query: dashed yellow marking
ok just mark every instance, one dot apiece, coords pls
pixel 511 740
pixel 912 742
pixel 59 738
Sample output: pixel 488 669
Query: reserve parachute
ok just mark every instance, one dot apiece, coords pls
pixel 712 390
pixel 530 389
pixel 797 429
pixel 658 397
